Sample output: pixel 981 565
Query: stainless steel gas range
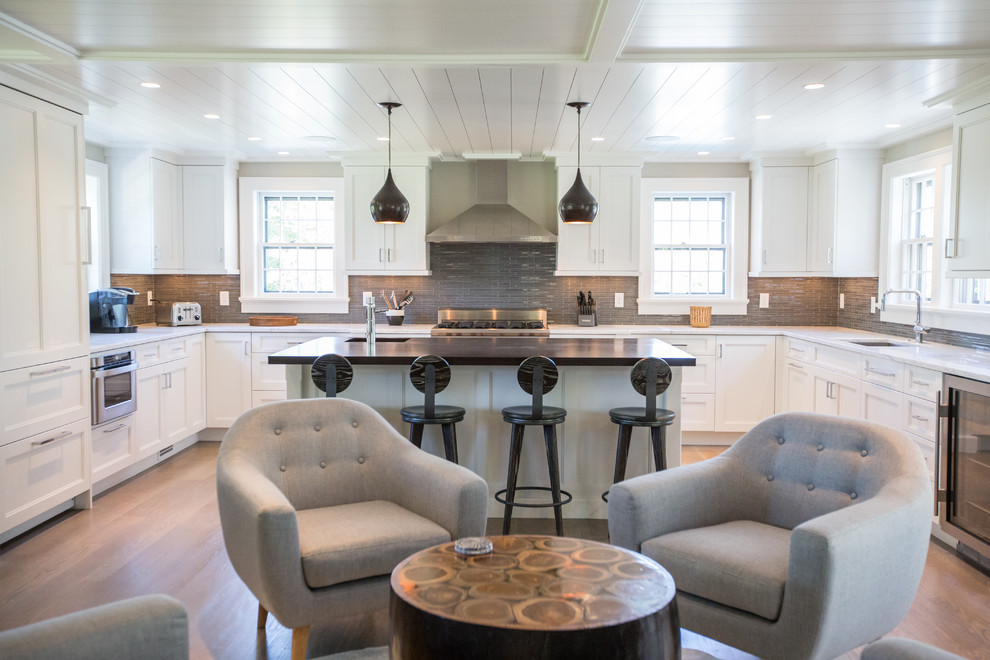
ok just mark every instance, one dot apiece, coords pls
pixel 491 323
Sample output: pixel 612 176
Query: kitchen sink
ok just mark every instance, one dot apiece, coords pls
pixel 378 339
pixel 882 343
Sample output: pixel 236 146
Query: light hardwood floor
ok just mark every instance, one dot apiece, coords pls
pixel 160 533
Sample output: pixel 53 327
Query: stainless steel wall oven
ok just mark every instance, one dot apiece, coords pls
pixel 963 474
pixel 114 386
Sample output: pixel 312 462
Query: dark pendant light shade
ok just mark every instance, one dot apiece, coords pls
pixel 389 206
pixel 578 206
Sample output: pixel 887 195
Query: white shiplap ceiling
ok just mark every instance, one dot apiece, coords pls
pixel 477 76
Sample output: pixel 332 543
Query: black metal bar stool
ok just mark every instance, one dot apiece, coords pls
pixel 536 376
pixel 651 378
pixel 332 368
pixel 430 374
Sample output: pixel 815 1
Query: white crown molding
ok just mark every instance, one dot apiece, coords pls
pixel 740 55
pixel 960 96
pixel 48 48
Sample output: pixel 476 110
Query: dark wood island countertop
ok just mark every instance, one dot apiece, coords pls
pixel 487 351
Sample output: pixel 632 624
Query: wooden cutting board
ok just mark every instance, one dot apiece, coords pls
pixel 272 320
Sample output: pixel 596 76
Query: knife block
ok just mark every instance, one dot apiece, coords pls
pixel 588 320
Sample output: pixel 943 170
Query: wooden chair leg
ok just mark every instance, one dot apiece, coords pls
pixel 515 451
pixel 622 453
pixel 416 434
pixel 300 642
pixel 658 435
pixel 449 442
pixel 262 616
pixel 553 466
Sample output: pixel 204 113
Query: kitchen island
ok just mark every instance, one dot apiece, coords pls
pixel 594 377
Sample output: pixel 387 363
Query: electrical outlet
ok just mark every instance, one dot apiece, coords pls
pixel 620 300
pixel 764 300
pixel 151 296
pixel 873 305
pixel 842 301
pixel 224 298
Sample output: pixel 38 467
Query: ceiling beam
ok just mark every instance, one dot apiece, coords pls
pixel 612 28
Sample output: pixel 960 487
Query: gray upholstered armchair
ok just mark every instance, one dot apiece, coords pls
pixel 805 539
pixel 321 498
pixel 151 627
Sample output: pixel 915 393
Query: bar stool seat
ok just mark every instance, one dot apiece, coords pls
pixel 536 376
pixel 430 374
pixel 650 377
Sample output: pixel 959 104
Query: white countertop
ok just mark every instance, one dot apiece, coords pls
pixel 965 362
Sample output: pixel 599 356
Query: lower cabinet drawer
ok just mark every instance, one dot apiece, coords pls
pixel 42 471
pixel 920 417
pixel 114 447
pixel 42 397
pixel 694 344
pixel 260 397
pixel 699 379
pixel 697 412
pixel 928 451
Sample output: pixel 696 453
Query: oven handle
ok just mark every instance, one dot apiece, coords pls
pixel 115 371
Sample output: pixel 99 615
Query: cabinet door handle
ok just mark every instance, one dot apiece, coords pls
pixel 116 428
pixel 766 255
pixel 390 255
pixel 381 255
pixel 828 255
pixel 950 254
pixel 879 372
pixel 158 253
pixel 594 256
pixel 220 255
pixel 797 350
pixel 247 348
pixel 720 350
pixel 63 434
pixel 680 345
pixel 795 366
pixel 919 418
pixel 46 372
pixel 603 255
pixel 923 383
pixel 87 237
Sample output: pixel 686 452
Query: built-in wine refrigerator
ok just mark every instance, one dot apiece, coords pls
pixel 962 487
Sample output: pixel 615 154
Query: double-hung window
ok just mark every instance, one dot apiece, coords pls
pixel 694 237
pixel 917 217
pixel 291 232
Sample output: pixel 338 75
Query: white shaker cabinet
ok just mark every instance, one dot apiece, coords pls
pixel 46 317
pixel 167 216
pixel 779 223
pixel 385 249
pixel 744 377
pixel 610 244
pixel 228 377
pixel 968 247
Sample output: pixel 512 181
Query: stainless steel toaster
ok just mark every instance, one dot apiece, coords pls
pixel 179 313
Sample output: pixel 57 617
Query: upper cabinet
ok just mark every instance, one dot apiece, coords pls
pixel 381 249
pixel 967 249
pixel 171 216
pixel 610 244
pixel 816 217
pixel 42 280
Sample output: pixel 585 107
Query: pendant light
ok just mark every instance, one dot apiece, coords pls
pixel 389 206
pixel 578 206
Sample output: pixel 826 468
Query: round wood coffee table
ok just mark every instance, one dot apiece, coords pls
pixel 533 597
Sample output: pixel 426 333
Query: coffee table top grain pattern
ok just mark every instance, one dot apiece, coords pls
pixel 535 583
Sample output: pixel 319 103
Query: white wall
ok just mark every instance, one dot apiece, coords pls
pixel 919 145
pixel 317 169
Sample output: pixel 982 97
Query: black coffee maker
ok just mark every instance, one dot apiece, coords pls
pixel 108 310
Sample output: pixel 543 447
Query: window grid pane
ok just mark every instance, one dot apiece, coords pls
pixel 689 245
pixel 297 248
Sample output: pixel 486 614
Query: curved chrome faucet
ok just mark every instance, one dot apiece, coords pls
pixel 919 330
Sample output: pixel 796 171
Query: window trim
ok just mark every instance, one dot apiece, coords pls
pixel 736 298
pixel 953 318
pixel 253 299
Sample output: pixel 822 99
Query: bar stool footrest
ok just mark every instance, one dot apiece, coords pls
pixel 500 498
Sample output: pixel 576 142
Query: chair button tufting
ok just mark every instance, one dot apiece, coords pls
pixel 780 441
pixel 821 447
pixel 316 428
pixel 853 496
pixel 354 424
pixel 278 431
pixel 811 486
pixel 769 477
pixel 323 464
pixel 864 453
pixel 282 468
pixel 361 460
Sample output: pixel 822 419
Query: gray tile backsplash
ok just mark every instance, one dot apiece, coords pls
pixel 512 275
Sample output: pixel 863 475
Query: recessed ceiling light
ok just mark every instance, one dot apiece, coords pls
pixel 253 138
pixel 728 138
pixel 597 139
pixel 383 139
pixel 320 138
pixel 814 85
pixel 763 117
pixel 210 116
pixel 150 85
pixel 662 138
pixel 283 153
pixel 703 153
pixel 891 125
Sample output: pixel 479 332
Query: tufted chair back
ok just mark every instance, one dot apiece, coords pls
pixel 798 466
pixel 318 452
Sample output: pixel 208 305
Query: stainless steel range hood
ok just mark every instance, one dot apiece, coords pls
pixel 492 219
